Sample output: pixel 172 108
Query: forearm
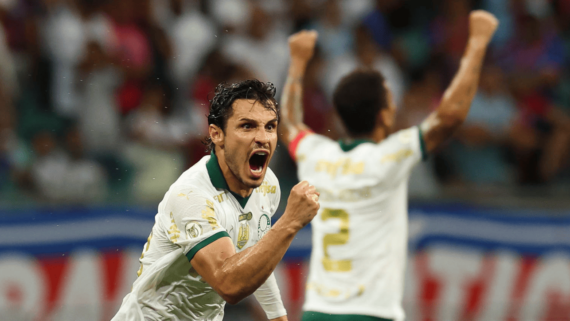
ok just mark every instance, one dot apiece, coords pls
pixel 246 271
pixel 292 101
pixel 457 99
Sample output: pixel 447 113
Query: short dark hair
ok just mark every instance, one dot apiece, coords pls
pixel 358 98
pixel 224 96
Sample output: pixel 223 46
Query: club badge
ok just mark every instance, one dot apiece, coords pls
pixel 263 226
pixel 193 230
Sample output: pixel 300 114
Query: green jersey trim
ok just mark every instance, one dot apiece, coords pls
pixel 218 180
pixel 348 146
pixel 204 243
pixel 422 144
pixel 318 316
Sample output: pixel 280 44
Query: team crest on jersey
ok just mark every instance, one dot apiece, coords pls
pixel 243 234
pixel 263 226
pixel 193 230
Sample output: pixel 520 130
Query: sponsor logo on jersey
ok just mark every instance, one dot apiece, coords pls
pixel 345 165
pixel 265 188
pixel 263 226
pixel 193 230
pixel 397 156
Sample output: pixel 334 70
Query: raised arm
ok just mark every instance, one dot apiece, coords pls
pixel 454 107
pixel 301 46
pixel 236 275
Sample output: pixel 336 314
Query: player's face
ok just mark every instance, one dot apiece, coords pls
pixel 249 141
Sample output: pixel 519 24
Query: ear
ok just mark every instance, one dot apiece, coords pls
pixel 385 118
pixel 217 135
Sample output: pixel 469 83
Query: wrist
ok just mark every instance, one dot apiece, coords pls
pixel 287 225
pixel 297 67
pixel 478 42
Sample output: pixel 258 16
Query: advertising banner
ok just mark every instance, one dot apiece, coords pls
pixel 464 263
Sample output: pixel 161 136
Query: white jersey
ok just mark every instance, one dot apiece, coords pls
pixel 197 210
pixel 360 233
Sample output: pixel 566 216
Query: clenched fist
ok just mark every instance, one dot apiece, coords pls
pixel 482 25
pixel 302 45
pixel 302 205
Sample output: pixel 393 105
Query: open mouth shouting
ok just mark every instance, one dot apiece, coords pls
pixel 257 162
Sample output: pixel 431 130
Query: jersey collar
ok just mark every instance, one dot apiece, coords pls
pixel 218 180
pixel 348 146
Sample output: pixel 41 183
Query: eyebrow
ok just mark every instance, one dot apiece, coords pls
pixel 255 121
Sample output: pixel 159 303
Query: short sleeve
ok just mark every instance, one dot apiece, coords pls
pixel 295 149
pixel 399 153
pixel 193 220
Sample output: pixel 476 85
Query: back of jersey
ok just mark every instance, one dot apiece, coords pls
pixel 360 233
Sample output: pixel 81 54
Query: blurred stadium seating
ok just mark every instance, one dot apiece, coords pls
pixel 103 103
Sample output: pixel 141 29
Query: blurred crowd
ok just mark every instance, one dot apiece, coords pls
pixel 105 100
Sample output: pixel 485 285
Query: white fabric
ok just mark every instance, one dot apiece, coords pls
pixel 362 223
pixel 270 299
pixel 193 210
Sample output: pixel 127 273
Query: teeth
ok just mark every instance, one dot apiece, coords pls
pixel 257 170
pixel 261 153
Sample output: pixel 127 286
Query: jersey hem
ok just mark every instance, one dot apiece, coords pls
pixel 359 311
pixel 352 316
pixel 204 243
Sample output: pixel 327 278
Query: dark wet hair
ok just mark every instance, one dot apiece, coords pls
pixel 358 98
pixel 224 96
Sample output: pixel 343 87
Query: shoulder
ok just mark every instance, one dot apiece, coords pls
pixel 312 143
pixel 195 183
pixel 408 136
pixel 401 144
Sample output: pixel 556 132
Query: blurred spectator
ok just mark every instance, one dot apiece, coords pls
pixel 261 48
pixel 450 31
pixel 136 76
pixel 335 37
pixel 541 138
pixel 132 50
pixel 192 34
pixel 420 100
pixel 156 139
pixel 318 111
pixel 7 67
pixel 69 27
pixel 99 119
pixel 378 26
pixel 66 177
pixel 14 153
pixel 480 154
pixel 151 125
pixel 367 55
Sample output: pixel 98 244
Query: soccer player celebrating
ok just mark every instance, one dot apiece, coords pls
pixel 360 233
pixel 212 241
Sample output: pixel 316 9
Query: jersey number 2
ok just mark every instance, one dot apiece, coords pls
pixel 339 238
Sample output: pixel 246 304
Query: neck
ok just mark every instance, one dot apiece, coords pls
pixel 377 135
pixel 234 184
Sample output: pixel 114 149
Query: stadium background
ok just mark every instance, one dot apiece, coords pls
pixel 103 103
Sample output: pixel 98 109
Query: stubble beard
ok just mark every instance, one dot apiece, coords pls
pixel 235 168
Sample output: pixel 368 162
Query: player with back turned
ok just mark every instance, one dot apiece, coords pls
pixel 360 233
pixel 212 241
